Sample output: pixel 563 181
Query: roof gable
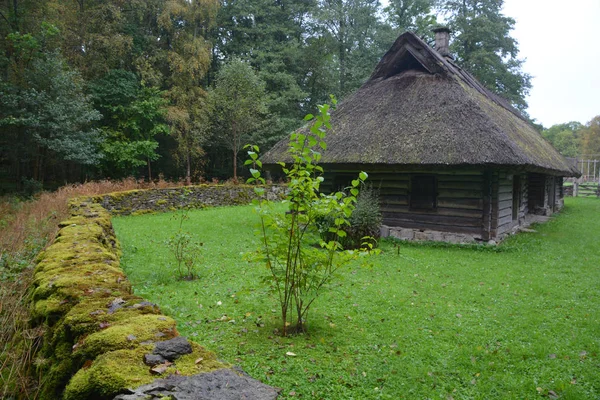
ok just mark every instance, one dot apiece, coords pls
pixel 407 53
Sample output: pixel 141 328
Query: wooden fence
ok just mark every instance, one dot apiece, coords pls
pixel 588 185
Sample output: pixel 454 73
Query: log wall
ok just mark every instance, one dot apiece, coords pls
pixel 459 201
pixel 473 202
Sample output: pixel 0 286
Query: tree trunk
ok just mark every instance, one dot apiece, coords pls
pixel 188 172
pixel 149 171
pixel 235 147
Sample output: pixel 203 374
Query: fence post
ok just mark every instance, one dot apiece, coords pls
pixel 575 188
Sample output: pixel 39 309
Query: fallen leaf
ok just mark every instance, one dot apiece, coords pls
pixel 552 394
pixel 552 356
pixel 198 360
pixel 458 315
pixel 161 368
pixel 289 353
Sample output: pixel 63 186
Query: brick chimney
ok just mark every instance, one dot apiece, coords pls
pixel 442 41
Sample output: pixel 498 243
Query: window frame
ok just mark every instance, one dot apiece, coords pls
pixel 433 192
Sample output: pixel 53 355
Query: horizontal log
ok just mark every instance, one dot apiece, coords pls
pixel 505 204
pixel 501 221
pixel 505 212
pixel 470 204
pixel 469 194
pixel 504 196
pixel 505 189
pixel 460 178
pixel 455 212
pixel 398 200
pixel 432 226
pixel 382 185
pixel 389 177
pixel 434 219
pixel 506 227
pixel 465 185
pixel 388 191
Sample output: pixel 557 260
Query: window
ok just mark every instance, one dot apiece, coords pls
pixel 423 192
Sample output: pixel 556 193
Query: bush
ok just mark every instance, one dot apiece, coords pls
pixel 365 221
pixel 31 187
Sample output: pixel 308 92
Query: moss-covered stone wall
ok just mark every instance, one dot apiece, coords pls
pixel 99 336
pixel 169 199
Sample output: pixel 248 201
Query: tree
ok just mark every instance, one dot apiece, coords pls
pixel 270 35
pixel 238 102
pixel 483 46
pixel 590 142
pixel 45 116
pixel 566 138
pixel 132 116
pixel 351 26
pixel 187 24
pixel 411 15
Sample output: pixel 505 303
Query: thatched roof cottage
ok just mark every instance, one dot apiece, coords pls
pixel 452 160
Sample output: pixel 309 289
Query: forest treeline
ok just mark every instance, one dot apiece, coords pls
pixel 95 89
pixel 576 140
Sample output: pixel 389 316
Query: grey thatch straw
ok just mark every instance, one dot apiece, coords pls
pixel 421 109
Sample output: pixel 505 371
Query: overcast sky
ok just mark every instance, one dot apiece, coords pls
pixel 559 40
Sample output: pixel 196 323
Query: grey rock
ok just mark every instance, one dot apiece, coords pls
pixel 153 359
pixel 173 348
pixel 223 384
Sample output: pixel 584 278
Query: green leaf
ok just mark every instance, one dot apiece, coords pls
pixel 308 117
pixel 355 182
pixel 363 176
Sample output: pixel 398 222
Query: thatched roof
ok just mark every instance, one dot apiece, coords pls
pixel 419 108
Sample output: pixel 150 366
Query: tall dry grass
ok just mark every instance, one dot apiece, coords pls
pixel 26 228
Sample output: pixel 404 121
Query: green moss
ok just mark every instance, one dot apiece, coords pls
pixel 199 361
pixel 77 281
pixel 116 371
pixel 54 379
pixel 49 308
pixel 110 374
pixel 127 334
pixel 161 202
pixel 91 314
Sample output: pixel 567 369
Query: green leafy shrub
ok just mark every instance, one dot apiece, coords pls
pixel 298 269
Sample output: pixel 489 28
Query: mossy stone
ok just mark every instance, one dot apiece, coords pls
pixel 127 334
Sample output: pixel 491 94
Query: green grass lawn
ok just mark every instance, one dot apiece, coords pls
pixel 423 322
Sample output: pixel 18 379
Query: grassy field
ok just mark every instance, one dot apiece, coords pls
pixel 519 321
